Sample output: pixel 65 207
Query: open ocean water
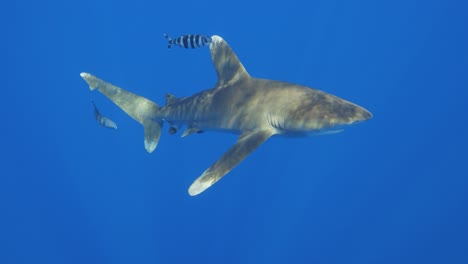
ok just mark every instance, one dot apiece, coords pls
pixel 393 189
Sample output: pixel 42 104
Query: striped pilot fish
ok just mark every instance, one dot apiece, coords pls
pixel 102 120
pixel 191 41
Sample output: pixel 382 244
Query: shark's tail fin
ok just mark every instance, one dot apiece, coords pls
pixel 139 108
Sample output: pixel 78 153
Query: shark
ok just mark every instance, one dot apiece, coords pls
pixel 253 108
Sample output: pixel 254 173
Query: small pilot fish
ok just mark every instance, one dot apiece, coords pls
pixel 102 120
pixel 191 41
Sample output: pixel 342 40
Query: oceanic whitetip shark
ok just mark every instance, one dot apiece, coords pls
pixel 256 109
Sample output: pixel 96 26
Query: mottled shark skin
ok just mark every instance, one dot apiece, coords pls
pixel 256 109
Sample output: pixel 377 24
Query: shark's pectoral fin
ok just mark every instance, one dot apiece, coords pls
pixel 246 143
pixel 228 67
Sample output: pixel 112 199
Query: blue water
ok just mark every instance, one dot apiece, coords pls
pixel 391 190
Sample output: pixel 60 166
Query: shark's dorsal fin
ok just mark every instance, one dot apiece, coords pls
pixel 228 67
pixel 246 143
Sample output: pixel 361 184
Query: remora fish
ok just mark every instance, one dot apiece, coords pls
pixel 256 109
pixel 102 120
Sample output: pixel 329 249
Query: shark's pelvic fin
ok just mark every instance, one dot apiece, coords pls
pixel 228 67
pixel 246 143
pixel 139 108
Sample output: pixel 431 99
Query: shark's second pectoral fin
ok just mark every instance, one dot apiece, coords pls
pixel 246 143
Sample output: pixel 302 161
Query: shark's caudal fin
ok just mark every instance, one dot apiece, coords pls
pixel 139 108
pixel 228 67
pixel 245 145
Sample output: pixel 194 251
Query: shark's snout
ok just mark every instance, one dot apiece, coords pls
pixel 344 113
pixel 362 115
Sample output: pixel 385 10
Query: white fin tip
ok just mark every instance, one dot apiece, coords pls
pixel 198 186
pixel 150 145
pixel 216 39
